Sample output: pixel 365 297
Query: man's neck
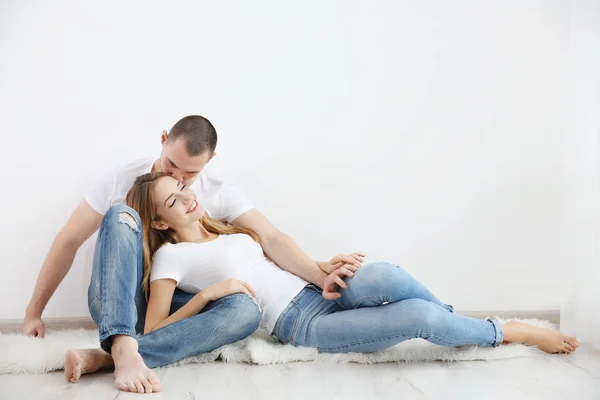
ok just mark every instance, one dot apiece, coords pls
pixel 156 166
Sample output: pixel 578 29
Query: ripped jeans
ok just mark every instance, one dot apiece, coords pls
pixel 117 303
pixel 383 305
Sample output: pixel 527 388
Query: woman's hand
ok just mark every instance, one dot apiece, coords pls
pixel 334 281
pixel 350 261
pixel 226 288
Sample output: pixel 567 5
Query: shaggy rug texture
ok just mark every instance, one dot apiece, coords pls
pixel 22 354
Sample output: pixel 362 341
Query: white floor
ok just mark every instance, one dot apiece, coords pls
pixel 575 376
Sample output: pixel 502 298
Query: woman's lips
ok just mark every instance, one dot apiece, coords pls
pixel 193 207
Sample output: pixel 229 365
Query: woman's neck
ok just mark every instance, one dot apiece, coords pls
pixel 195 233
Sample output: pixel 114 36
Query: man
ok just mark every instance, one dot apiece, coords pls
pixel 115 297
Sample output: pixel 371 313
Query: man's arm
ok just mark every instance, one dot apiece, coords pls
pixel 281 248
pixel 84 221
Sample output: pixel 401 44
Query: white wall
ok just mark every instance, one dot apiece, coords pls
pixel 428 134
pixel 581 299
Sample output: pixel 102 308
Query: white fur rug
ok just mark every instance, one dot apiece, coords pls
pixel 21 354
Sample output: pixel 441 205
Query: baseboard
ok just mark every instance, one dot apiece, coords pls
pixel 15 325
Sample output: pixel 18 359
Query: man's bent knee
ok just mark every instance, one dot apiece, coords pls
pixel 123 215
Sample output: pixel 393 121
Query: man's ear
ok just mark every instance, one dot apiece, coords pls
pixel 212 156
pixel 163 137
pixel 159 225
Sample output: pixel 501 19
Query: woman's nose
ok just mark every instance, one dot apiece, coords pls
pixel 186 199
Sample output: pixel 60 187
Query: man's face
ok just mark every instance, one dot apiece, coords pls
pixel 176 162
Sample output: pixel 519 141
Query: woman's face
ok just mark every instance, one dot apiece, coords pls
pixel 176 204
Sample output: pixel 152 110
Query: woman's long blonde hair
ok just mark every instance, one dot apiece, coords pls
pixel 141 198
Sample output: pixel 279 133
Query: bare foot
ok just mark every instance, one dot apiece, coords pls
pixel 131 374
pixel 79 362
pixel 548 340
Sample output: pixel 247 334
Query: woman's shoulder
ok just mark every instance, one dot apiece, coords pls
pixel 179 251
pixel 167 251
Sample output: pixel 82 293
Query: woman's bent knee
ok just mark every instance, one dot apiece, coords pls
pixel 381 268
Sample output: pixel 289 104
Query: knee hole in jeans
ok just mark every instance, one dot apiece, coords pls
pixel 128 219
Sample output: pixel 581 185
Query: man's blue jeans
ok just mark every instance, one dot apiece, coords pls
pixel 118 306
pixel 382 306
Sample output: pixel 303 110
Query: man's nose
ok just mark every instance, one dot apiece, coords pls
pixel 177 175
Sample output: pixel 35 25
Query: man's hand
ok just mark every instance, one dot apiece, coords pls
pixel 350 261
pixel 334 281
pixel 84 221
pixel 34 326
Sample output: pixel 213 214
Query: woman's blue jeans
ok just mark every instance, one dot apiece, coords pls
pixel 382 306
pixel 118 306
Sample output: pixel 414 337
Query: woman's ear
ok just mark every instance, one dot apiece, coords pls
pixel 159 225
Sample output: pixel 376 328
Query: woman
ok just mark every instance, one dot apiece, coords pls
pixel 378 305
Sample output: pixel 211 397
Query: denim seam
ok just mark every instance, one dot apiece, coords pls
pixel 293 303
pixel 360 301
pixel 102 277
pixel 347 345
pixel 296 323
pixel 278 326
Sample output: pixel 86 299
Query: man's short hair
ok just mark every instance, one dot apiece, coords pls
pixel 199 134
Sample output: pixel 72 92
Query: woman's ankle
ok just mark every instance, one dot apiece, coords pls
pixel 513 332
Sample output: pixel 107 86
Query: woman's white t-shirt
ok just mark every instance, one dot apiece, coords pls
pixel 196 266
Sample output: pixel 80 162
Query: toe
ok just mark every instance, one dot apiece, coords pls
pixel 569 339
pixel 132 387
pixel 569 347
pixel 156 387
pixel 154 381
pixel 121 386
pixel 147 385
pixel 139 387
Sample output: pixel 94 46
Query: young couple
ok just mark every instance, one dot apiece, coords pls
pixel 188 265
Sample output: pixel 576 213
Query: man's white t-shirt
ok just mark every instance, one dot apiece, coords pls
pixel 196 266
pixel 221 200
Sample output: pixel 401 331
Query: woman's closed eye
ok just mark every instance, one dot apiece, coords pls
pixel 174 200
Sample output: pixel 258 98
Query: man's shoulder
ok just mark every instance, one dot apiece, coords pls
pixel 208 181
pixel 124 174
pixel 139 167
